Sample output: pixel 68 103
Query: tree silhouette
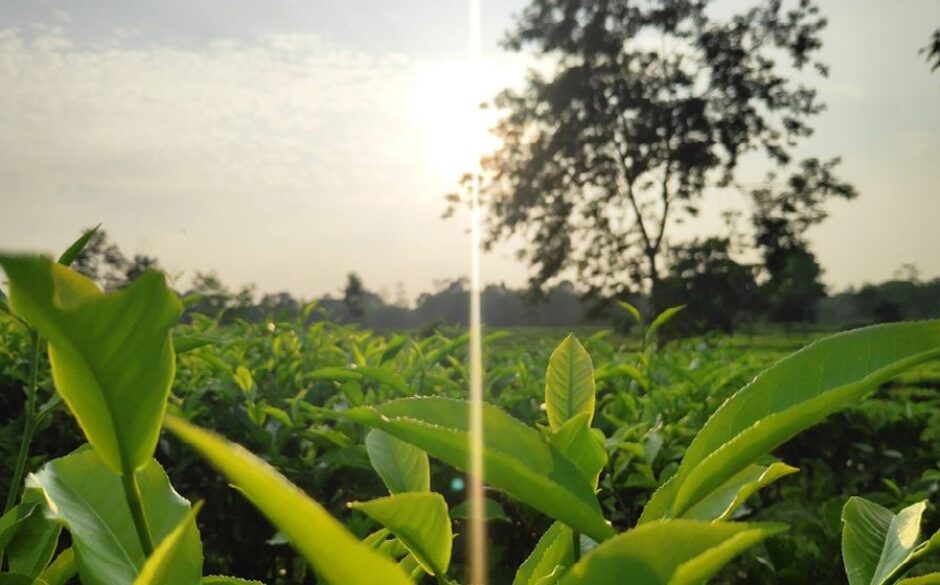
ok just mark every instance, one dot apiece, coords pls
pixel 782 214
pixel 636 111
pixel 932 51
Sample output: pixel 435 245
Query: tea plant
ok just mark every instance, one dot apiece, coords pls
pixel 113 360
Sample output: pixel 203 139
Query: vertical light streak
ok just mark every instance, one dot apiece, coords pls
pixel 477 512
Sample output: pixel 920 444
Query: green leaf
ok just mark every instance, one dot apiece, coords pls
pixel 111 354
pixel 634 312
pixel 88 499
pixel 492 511
pixel 673 552
pixel 173 554
pixel 242 377
pixel 17 579
pixel 569 383
pixel 333 552
pixel 878 545
pixel 221 580
pixel 77 246
pixel 385 376
pixel 12 520
pixel 929 579
pixel 797 392
pixel 517 459
pixel 554 549
pixel 581 445
pixel 35 541
pixel 185 343
pixel 62 569
pixel 420 521
pixel 402 466
pixel 722 503
pixel 661 319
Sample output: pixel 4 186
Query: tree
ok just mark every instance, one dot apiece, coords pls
pixel 104 262
pixel 639 109
pixel 716 290
pixel 932 51
pixel 353 295
pixel 782 215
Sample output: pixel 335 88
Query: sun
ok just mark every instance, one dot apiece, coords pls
pixel 454 129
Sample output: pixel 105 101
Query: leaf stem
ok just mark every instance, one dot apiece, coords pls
pixel 30 426
pixel 132 494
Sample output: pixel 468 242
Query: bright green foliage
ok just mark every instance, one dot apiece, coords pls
pixel 402 466
pixel 722 503
pixel 670 552
pixel 553 551
pixel 61 570
pixel 930 579
pixel 877 545
pixel 660 320
pixel 112 355
pixel 12 520
pixel 419 520
pixel 164 564
pixel 569 383
pixel 796 393
pixel 584 446
pixel 72 252
pixel 517 459
pixel 36 540
pixel 332 551
pixel 88 499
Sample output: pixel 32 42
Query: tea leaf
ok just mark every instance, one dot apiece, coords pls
pixel 333 552
pixel 929 579
pixel 878 545
pixel 670 552
pixel 111 354
pixel 62 569
pixel 88 499
pixel 35 541
pixel 77 246
pixel 569 383
pixel 797 392
pixel 402 466
pixel 12 520
pixel 167 558
pixel 722 503
pixel 554 549
pixel 517 459
pixel 420 522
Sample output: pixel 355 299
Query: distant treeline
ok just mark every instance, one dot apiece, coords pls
pixel 721 295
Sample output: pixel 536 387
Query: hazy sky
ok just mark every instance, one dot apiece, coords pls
pixel 288 142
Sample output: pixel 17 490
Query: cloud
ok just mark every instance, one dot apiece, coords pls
pixel 286 137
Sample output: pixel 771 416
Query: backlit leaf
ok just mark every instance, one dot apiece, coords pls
pixel 111 354
pixel 88 499
pixel 797 392
pixel 670 552
pixel 569 383
pixel 419 520
pixel 877 545
pixel 333 552
pixel 402 466
pixel 517 459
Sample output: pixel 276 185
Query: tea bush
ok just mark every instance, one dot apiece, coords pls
pixel 618 442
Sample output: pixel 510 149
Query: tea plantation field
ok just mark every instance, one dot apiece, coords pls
pixel 275 386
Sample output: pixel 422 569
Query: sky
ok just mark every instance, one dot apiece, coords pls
pixel 286 143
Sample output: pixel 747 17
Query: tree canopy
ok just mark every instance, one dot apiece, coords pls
pixel 635 111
